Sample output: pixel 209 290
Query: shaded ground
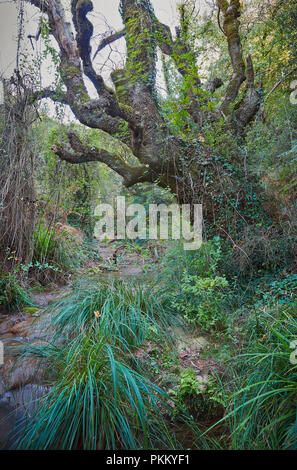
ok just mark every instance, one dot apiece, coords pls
pixel 189 347
pixel 118 260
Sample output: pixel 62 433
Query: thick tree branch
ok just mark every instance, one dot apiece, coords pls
pixel 250 103
pixel 135 84
pixel 107 98
pixel 84 30
pixel 48 93
pixel 140 39
pixel 76 152
pixel 164 157
pixel 103 113
pixel 185 62
pixel 214 84
pixel 164 37
pixel 70 68
pixel 183 57
pixel 231 12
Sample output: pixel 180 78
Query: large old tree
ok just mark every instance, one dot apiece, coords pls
pixel 189 168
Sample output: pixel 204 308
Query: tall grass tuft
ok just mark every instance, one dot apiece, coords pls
pixel 12 294
pixel 97 402
pixel 264 404
pixel 126 312
pixel 100 398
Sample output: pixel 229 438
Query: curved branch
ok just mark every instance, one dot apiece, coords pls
pixel 109 40
pixel 76 152
pixel 105 112
pixel 178 50
pixel 84 30
pixel 279 83
pixel 70 68
pixel 185 62
pixel 214 84
pixel 164 37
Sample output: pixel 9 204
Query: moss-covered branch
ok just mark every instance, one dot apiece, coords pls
pixel 231 13
pixel 75 152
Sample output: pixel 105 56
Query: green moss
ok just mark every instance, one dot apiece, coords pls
pixel 31 310
pixel 70 70
pixel 126 109
pixel 120 80
pixel 68 73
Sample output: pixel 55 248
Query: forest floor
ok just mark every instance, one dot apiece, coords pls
pixel 21 379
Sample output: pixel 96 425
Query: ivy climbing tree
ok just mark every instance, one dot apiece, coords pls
pixel 193 172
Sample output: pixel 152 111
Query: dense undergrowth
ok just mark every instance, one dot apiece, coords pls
pixel 102 397
pixel 54 259
pixel 263 393
pixel 55 254
pixel 110 390
pixel 255 321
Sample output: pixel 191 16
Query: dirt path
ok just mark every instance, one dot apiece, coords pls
pixel 118 261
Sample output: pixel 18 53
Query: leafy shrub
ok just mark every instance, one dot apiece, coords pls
pixel 202 296
pixel 199 398
pixel 203 262
pixel 204 301
pixel 12 294
pixel 269 296
pixel 261 250
pixel 283 291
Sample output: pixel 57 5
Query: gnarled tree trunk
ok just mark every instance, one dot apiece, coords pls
pixel 191 171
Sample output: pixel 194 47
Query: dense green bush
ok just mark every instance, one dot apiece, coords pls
pixel 204 302
pixel 203 400
pixel 202 262
pixel 202 295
